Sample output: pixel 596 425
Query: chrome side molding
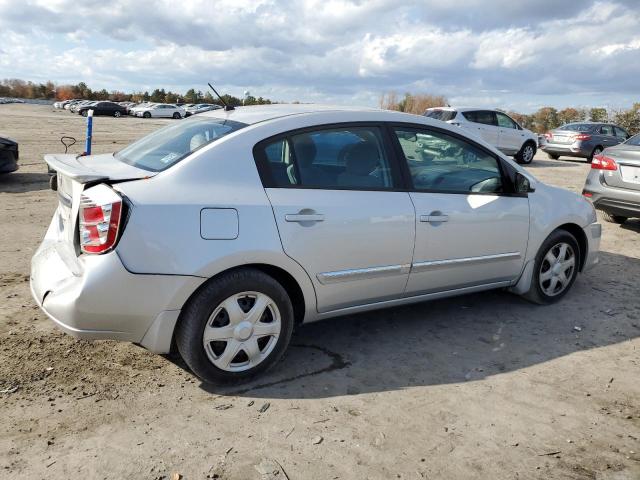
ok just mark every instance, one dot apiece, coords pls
pixel 428 265
pixel 391 270
pixel 363 273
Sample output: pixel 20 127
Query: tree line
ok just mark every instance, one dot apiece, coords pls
pixel 541 121
pixel 544 119
pixel 17 88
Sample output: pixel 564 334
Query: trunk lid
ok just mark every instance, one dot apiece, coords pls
pixel 74 174
pixel 628 174
pixel 563 137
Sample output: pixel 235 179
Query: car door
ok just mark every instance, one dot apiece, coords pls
pixel 339 212
pixel 485 124
pixel 620 134
pixel 607 136
pixel 470 229
pixel 510 137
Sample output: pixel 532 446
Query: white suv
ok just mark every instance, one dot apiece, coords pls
pixel 494 127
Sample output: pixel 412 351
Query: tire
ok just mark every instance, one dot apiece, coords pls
pixel 177 116
pixel 117 114
pixel 146 115
pixel 84 113
pixel 207 313
pixel 526 153
pixel 619 219
pixel 546 273
pixel 596 151
pixel 553 156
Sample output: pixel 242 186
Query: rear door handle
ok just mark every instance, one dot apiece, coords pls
pixel 302 217
pixel 434 218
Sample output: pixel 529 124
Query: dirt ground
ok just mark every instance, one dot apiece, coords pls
pixel 482 386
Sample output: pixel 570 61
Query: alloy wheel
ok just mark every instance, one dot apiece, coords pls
pixel 557 268
pixel 527 154
pixel 242 331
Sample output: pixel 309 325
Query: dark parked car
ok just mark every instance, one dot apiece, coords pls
pixel 613 184
pixel 583 139
pixel 8 155
pixel 104 108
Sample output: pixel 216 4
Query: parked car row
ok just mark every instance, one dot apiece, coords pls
pixel 144 110
pixel 5 100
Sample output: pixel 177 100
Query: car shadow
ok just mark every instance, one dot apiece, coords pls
pixel 21 182
pixel 546 163
pixel 460 339
pixel 632 225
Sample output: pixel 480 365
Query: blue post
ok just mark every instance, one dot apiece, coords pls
pixel 87 146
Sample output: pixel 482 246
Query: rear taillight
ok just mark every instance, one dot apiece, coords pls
pixel 548 135
pixel 582 136
pixel 100 216
pixel 602 162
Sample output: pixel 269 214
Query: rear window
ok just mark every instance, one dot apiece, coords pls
pixel 167 146
pixel 444 115
pixel 577 127
pixel 635 140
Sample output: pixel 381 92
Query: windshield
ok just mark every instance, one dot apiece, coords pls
pixel 444 115
pixel 167 146
pixel 635 140
pixel 577 127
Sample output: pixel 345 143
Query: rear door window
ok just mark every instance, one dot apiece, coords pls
pixel 606 130
pixel 484 117
pixel 333 158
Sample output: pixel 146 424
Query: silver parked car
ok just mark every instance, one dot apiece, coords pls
pixel 584 139
pixel 224 231
pixel 613 183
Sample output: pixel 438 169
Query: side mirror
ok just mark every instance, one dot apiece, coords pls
pixel 523 185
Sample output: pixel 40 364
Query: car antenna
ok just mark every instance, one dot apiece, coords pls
pixel 226 107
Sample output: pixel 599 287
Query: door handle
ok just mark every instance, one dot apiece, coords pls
pixel 434 218
pixel 304 217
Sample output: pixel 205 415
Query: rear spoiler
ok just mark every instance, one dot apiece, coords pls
pixel 94 168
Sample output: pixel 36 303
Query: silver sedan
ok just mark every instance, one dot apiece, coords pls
pixel 224 231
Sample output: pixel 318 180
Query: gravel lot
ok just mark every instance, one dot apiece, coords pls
pixel 482 386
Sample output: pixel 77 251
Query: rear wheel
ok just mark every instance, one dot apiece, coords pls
pixel 553 156
pixel 146 115
pixel 526 153
pixel 555 268
pixel 619 219
pixel 235 327
pixel 596 151
pixel 117 114
pixel 85 113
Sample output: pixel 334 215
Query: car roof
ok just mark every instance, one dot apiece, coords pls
pixel 261 113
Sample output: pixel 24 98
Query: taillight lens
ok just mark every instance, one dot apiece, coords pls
pixel 100 216
pixel 582 136
pixel 602 162
pixel 548 135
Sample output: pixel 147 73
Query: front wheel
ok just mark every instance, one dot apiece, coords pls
pixel 526 153
pixel 235 327
pixel 555 269
pixel 117 114
pixel 177 116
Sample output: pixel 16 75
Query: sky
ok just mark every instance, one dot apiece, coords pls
pixel 511 54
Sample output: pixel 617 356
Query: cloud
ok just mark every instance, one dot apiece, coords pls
pixel 339 50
